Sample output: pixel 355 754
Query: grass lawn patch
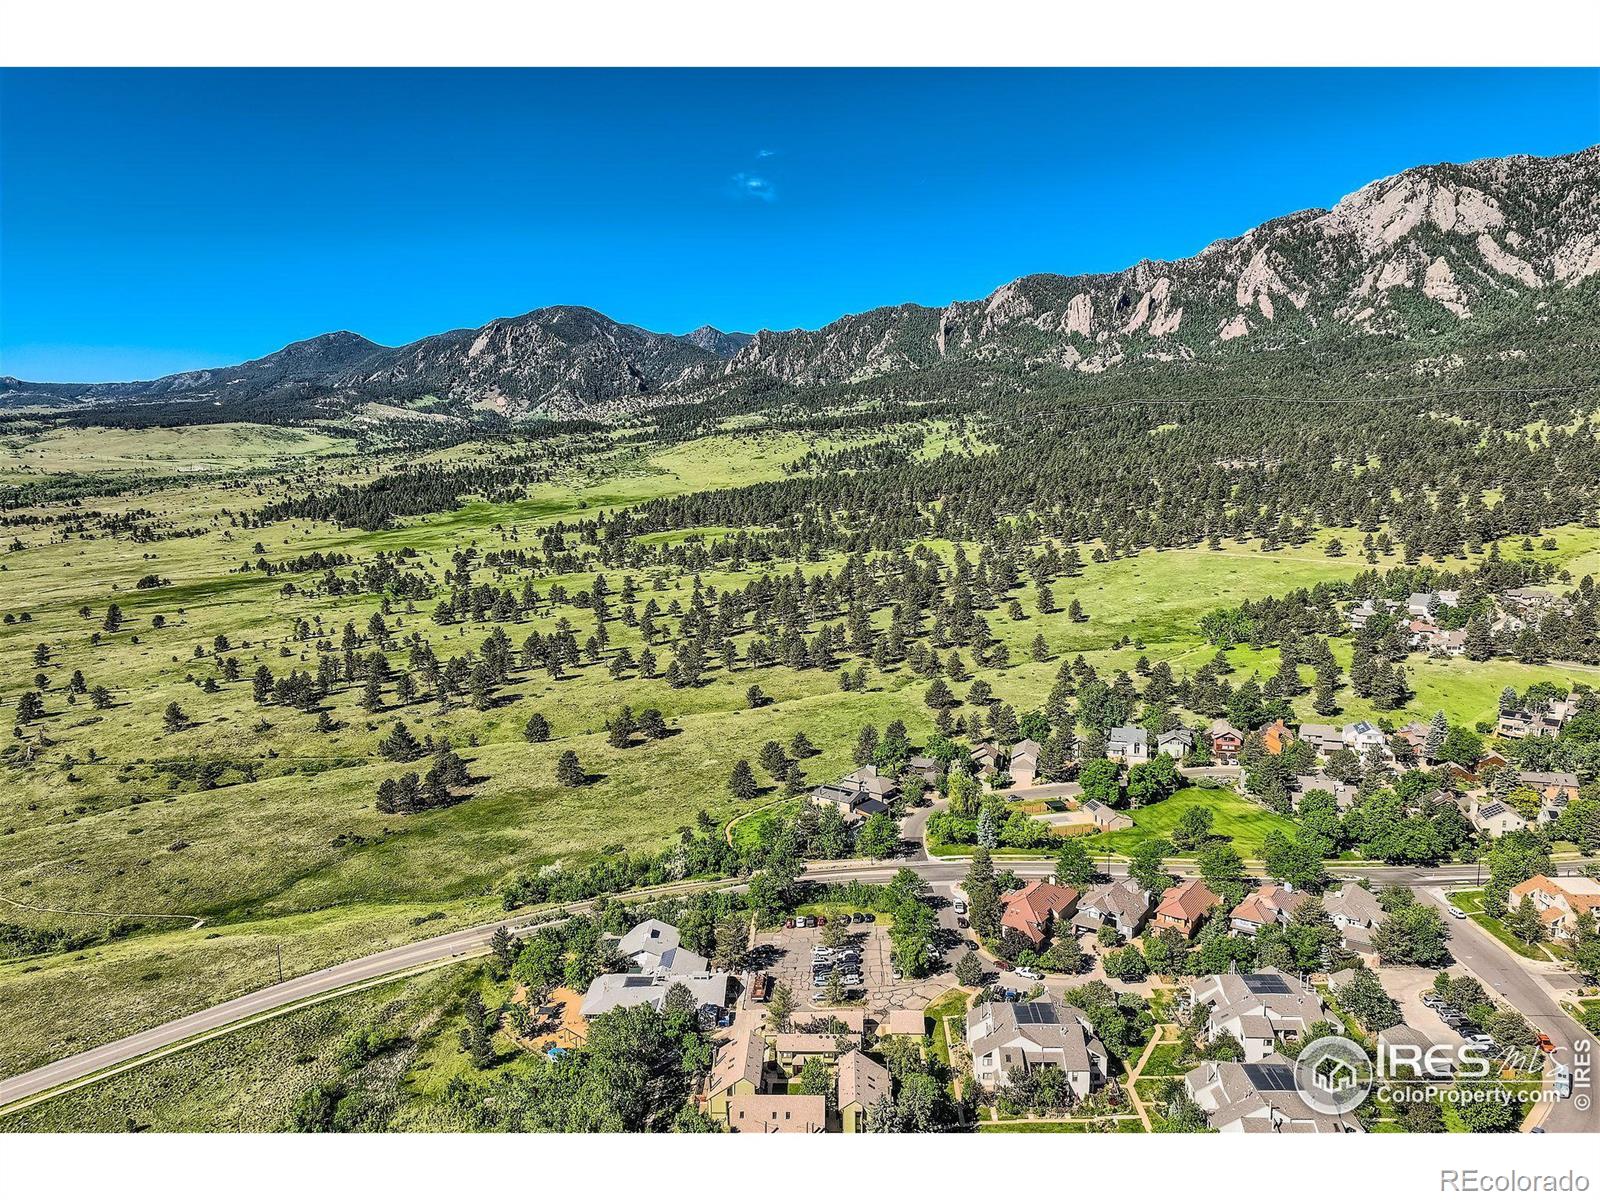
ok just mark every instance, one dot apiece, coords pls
pixel 1471 903
pixel 1236 817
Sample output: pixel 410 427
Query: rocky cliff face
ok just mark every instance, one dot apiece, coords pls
pixel 1406 255
pixel 1412 255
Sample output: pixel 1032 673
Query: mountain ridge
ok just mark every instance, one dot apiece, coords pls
pixel 1403 257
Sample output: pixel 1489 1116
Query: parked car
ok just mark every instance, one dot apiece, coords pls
pixel 761 988
pixel 871 917
pixel 961 923
pixel 960 907
pixel 821 920
pixel 1029 973
pixel 859 918
pixel 1546 1046
pixel 1011 995
pixel 1563 1082
pixel 788 922
pixel 1456 913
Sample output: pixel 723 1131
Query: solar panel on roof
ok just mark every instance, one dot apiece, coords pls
pixel 1267 985
pixel 1036 1014
pixel 1269 1077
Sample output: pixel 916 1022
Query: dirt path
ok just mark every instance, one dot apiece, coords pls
pixel 73 912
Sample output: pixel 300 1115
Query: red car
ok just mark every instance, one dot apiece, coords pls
pixel 822 920
pixel 1546 1046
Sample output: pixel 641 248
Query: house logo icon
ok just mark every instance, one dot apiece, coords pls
pixel 1333 1075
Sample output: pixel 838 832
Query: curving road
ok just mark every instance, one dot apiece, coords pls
pixel 1505 973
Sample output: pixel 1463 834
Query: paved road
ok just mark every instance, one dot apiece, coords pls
pixel 1504 973
pixel 467 942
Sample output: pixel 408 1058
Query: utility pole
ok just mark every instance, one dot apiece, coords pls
pixel 280 961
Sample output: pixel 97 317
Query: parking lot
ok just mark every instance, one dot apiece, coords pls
pixel 786 955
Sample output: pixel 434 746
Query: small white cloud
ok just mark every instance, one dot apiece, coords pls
pixel 756 187
pixel 765 153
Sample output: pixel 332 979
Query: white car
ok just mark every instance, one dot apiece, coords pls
pixel 1029 973
pixel 1456 913
pixel 961 908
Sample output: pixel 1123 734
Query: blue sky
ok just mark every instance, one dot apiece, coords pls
pixel 154 221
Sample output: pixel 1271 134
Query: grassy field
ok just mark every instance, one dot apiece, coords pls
pixel 106 821
pixel 248 1081
pixel 1236 817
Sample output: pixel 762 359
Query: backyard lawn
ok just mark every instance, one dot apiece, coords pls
pixel 1243 820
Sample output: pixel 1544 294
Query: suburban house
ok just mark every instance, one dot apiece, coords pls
pixel 777 1114
pixel 862 1083
pixel 1452 642
pixel 1024 769
pixel 1547 722
pixel 1106 817
pixel 1344 794
pixel 1361 613
pixel 1128 744
pixel 1275 738
pixel 1259 1009
pixel 902 1022
pixel 1183 906
pixel 1007 1040
pixel 1556 789
pixel 1269 904
pixel 1559 900
pixel 1175 743
pixel 1324 739
pixel 1033 910
pixel 1364 736
pixel 1122 904
pixel 1226 742
pixel 736 1072
pixel 1355 913
pixel 1421 604
pixel 1495 817
pixel 1259 1097
pixel 654 947
pixel 859 794
pixel 925 768
pixel 986 758
pixel 709 990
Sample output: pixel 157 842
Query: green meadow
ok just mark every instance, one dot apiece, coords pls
pixel 105 822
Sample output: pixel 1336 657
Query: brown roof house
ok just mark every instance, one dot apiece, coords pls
pixel 1024 768
pixel 1269 904
pixel 1183 906
pixel 1033 910
pixel 1007 1040
pixel 778 1114
pixel 862 1083
pixel 1123 904
pixel 1355 912
pixel 1226 742
pixel 736 1072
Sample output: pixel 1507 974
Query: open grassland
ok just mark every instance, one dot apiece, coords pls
pixel 249 1080
pixel 185 450
pixel 107 820
pixel 1236 817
